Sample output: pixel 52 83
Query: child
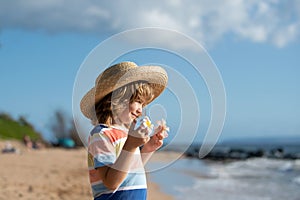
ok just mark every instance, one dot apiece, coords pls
pixel 118 150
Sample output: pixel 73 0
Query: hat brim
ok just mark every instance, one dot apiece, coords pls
pixel 155 75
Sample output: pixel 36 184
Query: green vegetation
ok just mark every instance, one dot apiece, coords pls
pixel 16 129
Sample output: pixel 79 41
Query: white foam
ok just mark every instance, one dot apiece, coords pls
pixel 259 179
pixel 297 180
pixel 297 164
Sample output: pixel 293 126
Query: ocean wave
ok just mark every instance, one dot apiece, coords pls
pixel 296 180
pixel 258 168
pixel 257 178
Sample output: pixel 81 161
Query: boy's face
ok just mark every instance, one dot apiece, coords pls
pixel 134 110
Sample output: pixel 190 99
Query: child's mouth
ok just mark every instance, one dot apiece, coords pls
pixel 134 115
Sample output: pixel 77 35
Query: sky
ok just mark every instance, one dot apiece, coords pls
pixel 253 44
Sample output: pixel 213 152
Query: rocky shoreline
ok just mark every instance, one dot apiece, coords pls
pixel 242 152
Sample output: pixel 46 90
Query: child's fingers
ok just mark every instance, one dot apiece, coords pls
pixel 143 131
pixel 140 132
pixel 159 129
pixel 132 125
pixel 165 134
pixel 162 135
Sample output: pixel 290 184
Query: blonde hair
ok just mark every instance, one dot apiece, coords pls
pixel 117 101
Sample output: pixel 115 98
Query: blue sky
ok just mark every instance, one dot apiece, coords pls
pixel 254 44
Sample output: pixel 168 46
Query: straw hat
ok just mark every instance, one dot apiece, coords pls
pixel 120 75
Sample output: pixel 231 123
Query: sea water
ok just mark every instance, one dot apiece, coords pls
pixel 255 178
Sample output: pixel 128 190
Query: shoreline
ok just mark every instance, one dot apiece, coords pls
pixel 155 191
pixel 52 173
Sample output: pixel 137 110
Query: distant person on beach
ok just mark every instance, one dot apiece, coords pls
pixel 37 144
pixel 119 145
pixel 27 141
pixel 8 148
pixel 32 144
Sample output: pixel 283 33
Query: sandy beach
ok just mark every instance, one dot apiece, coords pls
pixel 52 173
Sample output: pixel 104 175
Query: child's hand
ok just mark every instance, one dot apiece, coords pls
pixel 156 141
pixel 136 137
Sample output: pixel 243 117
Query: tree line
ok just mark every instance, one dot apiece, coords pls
pixel 61 126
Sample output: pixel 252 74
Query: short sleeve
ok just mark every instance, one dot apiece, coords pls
pixel 101 149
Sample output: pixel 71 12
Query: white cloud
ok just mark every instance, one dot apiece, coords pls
pixel 286 35
pixel 208 21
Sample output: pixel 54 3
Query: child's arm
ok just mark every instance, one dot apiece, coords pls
pixel 154 143
pixel 112 176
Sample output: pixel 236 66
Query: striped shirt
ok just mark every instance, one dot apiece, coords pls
pixel 104 146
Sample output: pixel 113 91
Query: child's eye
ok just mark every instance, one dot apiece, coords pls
pixel 141 102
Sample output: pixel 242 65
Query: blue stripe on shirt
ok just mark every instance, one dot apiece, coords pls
pixel 98 128
pixel 137 194
pixel 104 160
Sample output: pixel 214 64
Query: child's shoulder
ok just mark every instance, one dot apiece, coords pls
pixel 105 129
pixel 99 128
pixel 111 133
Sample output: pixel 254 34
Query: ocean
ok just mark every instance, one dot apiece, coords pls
pixel 254 178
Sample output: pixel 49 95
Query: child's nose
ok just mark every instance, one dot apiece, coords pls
pixel 139 110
